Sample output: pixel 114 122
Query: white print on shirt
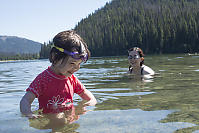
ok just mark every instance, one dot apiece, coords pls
pixel 57 102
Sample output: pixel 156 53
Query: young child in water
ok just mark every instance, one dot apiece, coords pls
pixel 56 85
pixel 136 61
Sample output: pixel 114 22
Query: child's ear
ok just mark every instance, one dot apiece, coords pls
pixel 53 58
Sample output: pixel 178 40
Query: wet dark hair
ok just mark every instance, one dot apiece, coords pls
pixel 68 40
pixel 140 52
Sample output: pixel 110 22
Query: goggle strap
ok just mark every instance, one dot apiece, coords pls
pixel 58 48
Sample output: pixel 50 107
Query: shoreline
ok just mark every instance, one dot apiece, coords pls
pixel 5 61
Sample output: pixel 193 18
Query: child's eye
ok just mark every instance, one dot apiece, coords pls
pixel 72 63
pixel 75 63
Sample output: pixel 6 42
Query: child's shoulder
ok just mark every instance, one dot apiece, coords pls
pixel 73 77
pixel 42 74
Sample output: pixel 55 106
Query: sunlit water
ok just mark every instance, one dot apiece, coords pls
pixel 126 104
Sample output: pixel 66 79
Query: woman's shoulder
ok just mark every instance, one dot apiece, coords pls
pixel 147 70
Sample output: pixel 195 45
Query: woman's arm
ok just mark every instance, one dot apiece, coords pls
pixel 87 95
pixel 148 71
pixel 25 104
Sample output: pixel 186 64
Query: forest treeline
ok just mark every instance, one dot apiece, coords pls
pixel 157 26
pixel 11 56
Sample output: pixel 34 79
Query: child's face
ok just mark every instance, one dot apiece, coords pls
pixel 68 66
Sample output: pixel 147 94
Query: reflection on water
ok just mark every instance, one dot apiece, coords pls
pixel 60 122
pixel 168 102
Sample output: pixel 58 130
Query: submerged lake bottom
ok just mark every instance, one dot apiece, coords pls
pixel 165 103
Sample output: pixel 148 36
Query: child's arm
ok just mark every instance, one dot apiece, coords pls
pixel 25 104
pixel 87 95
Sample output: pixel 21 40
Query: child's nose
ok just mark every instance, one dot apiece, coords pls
pixel 76 67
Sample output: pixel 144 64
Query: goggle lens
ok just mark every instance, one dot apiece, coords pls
pixel 133 57
pixel 84 57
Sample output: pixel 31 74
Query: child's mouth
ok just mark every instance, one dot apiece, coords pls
pixel 70 72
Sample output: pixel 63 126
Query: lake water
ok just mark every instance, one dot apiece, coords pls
pixel 126 104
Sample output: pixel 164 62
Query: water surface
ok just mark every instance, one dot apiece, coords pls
pixel 167 103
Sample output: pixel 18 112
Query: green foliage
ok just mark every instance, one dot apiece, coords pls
pixel 157 26
pixel 18 56
pixel 45 50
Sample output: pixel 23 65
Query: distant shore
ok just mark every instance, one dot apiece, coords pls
pixel 2 61
pixel 7 60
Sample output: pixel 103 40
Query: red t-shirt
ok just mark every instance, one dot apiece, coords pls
pixel 55 92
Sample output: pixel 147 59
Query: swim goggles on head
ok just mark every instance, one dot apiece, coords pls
pixel 75 55
pixel 133 57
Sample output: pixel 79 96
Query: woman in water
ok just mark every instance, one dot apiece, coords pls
pixel 136 61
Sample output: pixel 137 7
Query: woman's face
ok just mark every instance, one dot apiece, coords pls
pixel 67 66
pixel 134 58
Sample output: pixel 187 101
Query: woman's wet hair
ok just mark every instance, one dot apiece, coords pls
pixel 68 40
pixel 140 52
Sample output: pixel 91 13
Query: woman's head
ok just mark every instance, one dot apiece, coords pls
pixel 68 44
pixel 135 54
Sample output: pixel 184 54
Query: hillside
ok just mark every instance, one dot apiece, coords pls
pixel 16 45
pixel 157 26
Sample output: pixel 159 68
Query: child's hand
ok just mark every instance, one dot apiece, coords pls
pixel 89 97
pixel 90 103
pixel 33 116
pixel 84 103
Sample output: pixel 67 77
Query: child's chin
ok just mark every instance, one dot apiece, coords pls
pixel 68 74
